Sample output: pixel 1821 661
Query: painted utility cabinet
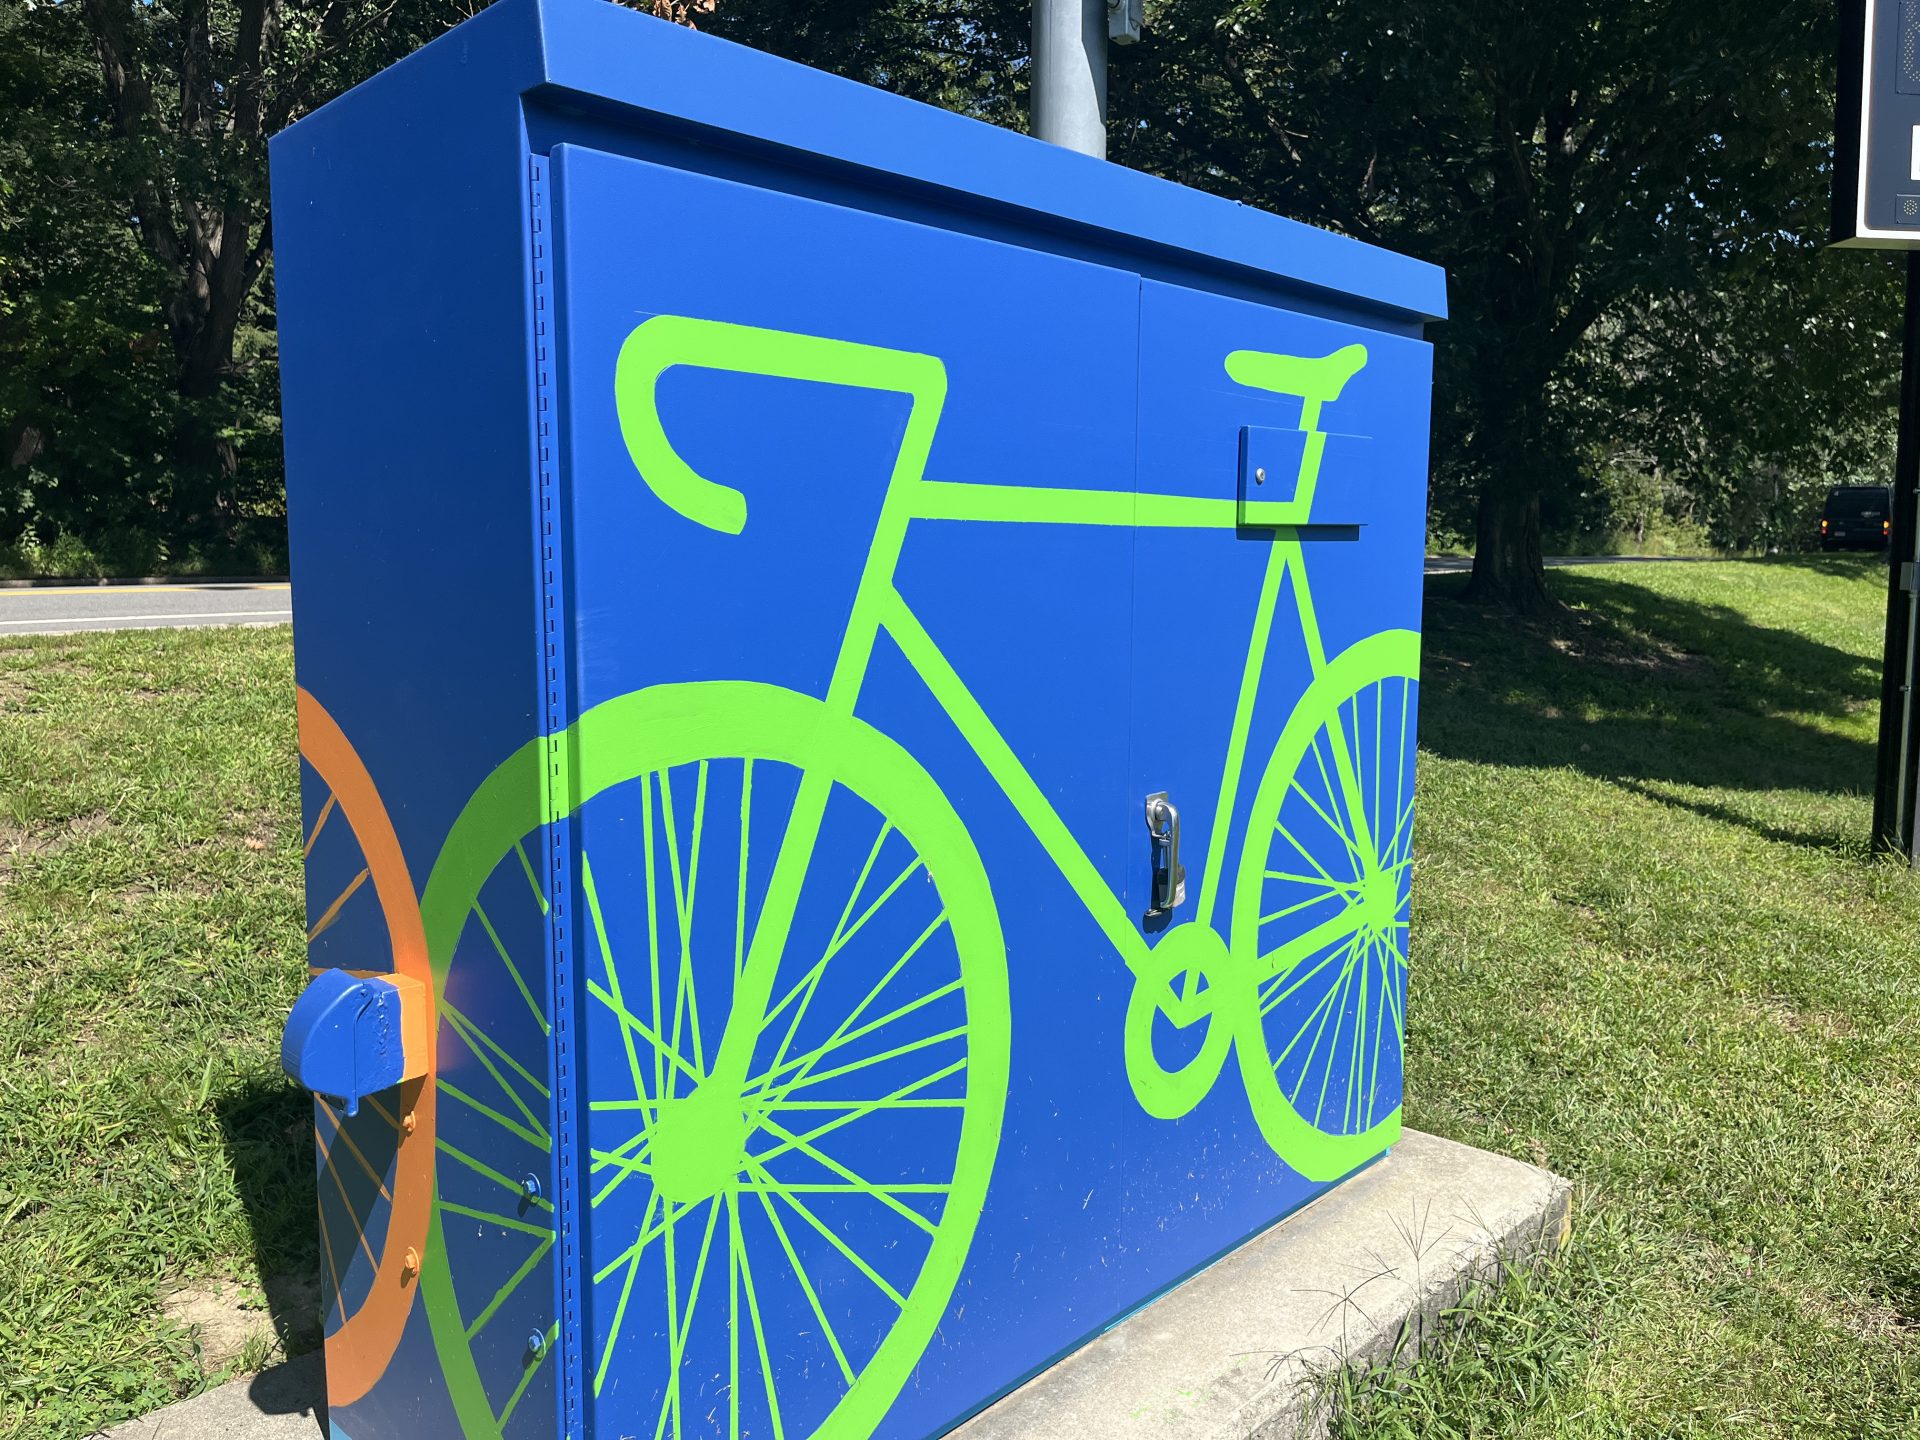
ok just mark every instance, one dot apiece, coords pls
pixel 857 682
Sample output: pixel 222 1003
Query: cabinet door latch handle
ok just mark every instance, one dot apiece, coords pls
pixel 1169 875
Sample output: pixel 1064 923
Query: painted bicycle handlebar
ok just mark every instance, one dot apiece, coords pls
pixel 665 341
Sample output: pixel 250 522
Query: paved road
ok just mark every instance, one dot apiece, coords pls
pixel 1456 564
pixel 65 609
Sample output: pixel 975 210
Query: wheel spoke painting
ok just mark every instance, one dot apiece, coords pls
pixel 489 1281
pixel 791 1101
pixel 1328 910
pixel 752 1228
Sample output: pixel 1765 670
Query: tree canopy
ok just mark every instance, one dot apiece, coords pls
pixel 138 383
pixel 1629 197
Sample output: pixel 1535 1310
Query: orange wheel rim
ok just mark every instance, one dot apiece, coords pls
pixel 359 1349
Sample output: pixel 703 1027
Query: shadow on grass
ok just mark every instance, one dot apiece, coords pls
pixel 1765 829
pixel 1897 1292
pixel 268 1130
pixel 1647 689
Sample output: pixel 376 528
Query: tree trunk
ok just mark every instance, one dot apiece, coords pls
pixel 1515 453
pixel 1509 572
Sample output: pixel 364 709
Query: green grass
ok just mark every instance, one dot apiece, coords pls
pixel 150 944
pixel 1652 953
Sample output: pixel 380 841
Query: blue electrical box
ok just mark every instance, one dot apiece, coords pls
pixel 857 681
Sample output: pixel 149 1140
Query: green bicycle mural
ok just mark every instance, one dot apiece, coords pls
pixel 1296 971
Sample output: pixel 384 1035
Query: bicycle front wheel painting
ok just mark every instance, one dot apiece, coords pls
pixel 793 1071
pixel 1321 913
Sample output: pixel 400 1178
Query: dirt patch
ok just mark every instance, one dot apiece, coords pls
pixel 1870 1318
pixel 1874 1321
pixel 1795 1020
pixel 93 823
pixel 1578 906
pixel 1597 640
pixel 257 829
pixel 14 678
pixel 20 842
pixel 224 1318
pixel 229 1320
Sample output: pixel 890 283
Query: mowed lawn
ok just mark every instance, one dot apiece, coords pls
pixel 1652 952
pixel 150 945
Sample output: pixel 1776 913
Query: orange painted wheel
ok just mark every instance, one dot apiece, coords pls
pixel 379 1162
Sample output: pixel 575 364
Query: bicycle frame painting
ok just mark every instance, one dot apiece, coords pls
pixel 788 585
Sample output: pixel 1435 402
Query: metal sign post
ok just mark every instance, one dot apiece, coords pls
pixel 1876 204
pixel 1896 795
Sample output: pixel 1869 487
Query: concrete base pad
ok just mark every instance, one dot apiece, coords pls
pixel 1233 1353
pixel 1230 1355
pixel 284 1403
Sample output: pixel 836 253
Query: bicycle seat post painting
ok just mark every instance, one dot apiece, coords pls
pixel 858 682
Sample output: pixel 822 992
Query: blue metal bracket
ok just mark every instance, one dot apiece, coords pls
pixel 1270 462
pixel 346 1037
pixel 1272 467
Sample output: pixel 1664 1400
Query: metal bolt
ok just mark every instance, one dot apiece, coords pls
pixel 530 1186
pixel 410 1264
pixel 408 1124
pixel 536 1344
pixel 1260 476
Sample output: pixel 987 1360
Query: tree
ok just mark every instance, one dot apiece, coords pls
pixel 1568 164
pixel 67 288
pixel 962 55
pixel 138 399
pixel 1627 194
pixel 1760 390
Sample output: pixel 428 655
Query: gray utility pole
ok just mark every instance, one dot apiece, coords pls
pixel 1070 74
